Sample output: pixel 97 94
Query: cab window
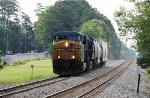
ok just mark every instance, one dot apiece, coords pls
pixel 64 37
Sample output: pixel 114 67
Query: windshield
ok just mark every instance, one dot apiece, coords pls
pixel 76 38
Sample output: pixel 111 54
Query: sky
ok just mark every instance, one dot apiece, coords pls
pixel 106 7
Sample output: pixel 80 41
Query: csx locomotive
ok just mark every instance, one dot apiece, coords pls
pixel 74 53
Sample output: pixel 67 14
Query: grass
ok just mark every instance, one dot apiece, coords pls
pixel 149 75
pixel 22 72
pixel 148 70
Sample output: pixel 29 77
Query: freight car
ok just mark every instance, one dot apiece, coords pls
pixel 74 53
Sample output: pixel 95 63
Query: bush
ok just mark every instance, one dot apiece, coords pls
pixel 143 62
pixel 1 53
pixel 36 59
pixel 1 66
pixel 4 62
pixel 1 60
pixel 19 63
pixel 148 69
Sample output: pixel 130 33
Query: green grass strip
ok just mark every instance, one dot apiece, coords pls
pixel 21 72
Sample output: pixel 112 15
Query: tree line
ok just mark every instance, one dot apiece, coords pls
pixel 19 35
pixel 78 15
pixel 136 22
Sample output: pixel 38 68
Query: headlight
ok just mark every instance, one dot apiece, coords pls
pixel 73 57
pixel 58 57
pixel 66 44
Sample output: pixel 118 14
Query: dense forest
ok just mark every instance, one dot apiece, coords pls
pixel 19 35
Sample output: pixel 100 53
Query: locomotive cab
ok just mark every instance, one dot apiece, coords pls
pixel 67 53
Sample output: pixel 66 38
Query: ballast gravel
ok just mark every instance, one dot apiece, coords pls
pixel 49 89
pixel 126 86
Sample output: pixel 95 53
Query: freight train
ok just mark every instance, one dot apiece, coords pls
pixel 74 53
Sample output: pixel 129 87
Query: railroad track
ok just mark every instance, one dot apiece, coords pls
pixel 89 87
pixel 29 86
pixel 99 88
pixel 7 92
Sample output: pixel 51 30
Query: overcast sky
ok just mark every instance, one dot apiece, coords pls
pixel 106 7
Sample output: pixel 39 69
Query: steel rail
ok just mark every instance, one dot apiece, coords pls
pixel 32 85
pixel 29 86
pixel 63 92
pixel 103 85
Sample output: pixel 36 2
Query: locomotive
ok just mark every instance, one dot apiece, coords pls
pixel 74 53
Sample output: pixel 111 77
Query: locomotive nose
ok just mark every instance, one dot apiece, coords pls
pixel 67 57
pixel 66 50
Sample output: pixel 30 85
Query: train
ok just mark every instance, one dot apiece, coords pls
pixel 74 53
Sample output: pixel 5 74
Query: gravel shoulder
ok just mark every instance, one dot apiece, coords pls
pixel 126 86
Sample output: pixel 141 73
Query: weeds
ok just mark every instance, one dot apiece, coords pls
pixel 148 70
pixel 25 61
pixel 19 63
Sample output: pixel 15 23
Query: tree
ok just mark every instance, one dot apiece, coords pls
pixel 28 35
pixel 64 16
pixel 9 9
pixel 99 29
pixel 15 37
pixel 3 33
pixel 16 30
pixel 1 60
pixel 93 28
pixel 39 8
pixel 8 19
pixel 136 22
